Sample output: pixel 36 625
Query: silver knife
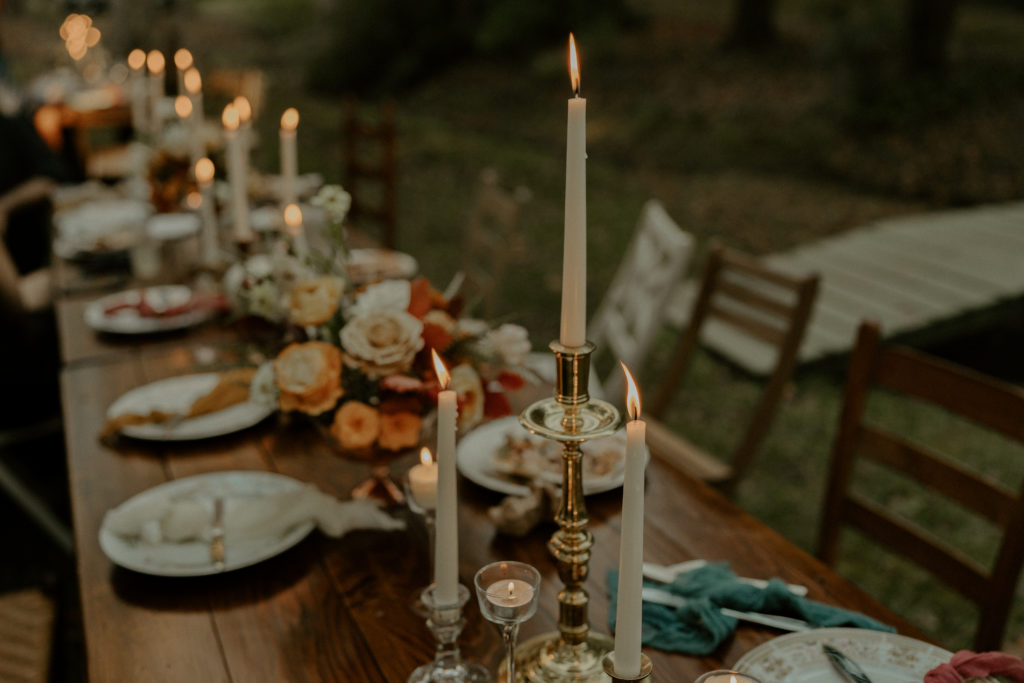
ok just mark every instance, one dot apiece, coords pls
pixel 849 669
pixel 774 620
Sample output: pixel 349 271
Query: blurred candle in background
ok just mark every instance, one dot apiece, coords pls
pixel 289 154
pixel 238 173
pixel 209 244
pixel 156 63
pixel 293 223
pixel 183 61
pixel 137 90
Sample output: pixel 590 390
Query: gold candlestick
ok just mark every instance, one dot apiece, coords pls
pixel 571 417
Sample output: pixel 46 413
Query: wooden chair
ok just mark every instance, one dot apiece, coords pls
pixel 755 301
pixel 492 241
pixel 370 162
pixel 993 405
pixel 26 636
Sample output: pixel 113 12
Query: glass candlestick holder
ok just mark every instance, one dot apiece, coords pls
pixel 507 593
pixel 429 515
pixel 446 623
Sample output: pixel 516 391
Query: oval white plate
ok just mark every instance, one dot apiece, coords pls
pixel 193 558
pixel 176 395
pixel 475 458
pixel 885 657
pixel 130 321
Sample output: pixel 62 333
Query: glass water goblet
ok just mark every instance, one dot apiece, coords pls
pixel 507 592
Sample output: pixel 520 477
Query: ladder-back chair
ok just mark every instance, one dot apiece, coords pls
pixel 755 301
pixel 988 403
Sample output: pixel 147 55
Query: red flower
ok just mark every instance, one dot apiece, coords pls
pixel 436 337
pixel 496 405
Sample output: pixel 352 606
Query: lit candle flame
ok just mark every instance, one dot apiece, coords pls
pixel 183 106
pixel 293 218
pixel 511 589
pixel 230 117
pixel 182 59
pixel 442 372
pixel 244 108
pixel 204 171
pixel 92 37
pixel 193 81
pixel 155 61
pixel 137 59
pixel 632 395
pixel 290 119
pixel 574 67
pixel 194 200
pixel 425 456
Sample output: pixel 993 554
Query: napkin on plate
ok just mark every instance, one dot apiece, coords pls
pixel 967 665
pixel 700 627
pixel 167 520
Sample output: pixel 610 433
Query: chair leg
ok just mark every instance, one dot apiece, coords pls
pixel 37 510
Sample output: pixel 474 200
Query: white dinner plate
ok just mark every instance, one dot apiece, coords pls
pixel 130 321
pixel 476 453
pixel 176 395
pixel 885 657
pixel 102 226
pixel 370 265
pixel 193 558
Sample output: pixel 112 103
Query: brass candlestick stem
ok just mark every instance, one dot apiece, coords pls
pixel 571 417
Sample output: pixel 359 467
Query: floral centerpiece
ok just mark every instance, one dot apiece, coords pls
pixel 359 359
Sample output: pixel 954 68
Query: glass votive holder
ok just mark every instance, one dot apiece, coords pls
pixel 726 676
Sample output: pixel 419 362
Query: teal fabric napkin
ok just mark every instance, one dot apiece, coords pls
pixel 700 627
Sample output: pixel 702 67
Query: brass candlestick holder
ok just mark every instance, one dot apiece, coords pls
pixel 571 417
pixel 646 668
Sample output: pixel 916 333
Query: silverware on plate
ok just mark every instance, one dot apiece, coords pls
pixel 661 597
pixel 217 535
pixel 848 668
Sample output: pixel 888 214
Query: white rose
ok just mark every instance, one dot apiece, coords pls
pixel 382 342
pixel 512 343
pixel 471 327
pixel 389 295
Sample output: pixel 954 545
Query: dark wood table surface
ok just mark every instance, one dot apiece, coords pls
pixel 338 609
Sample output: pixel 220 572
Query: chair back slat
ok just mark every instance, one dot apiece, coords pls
pixel 989 403
pixel 755 328
pixel 985 497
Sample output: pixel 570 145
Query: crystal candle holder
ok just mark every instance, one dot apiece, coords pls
pixel 507 593
pixel 428 514
pixel 446 623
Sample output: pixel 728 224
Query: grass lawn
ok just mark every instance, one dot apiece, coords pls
pixel 763 151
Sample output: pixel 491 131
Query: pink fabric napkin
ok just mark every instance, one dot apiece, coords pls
pixel 966 664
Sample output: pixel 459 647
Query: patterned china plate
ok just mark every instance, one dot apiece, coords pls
pixel 126 319
pixel 885 657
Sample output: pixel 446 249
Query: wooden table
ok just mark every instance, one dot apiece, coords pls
pixel 338 610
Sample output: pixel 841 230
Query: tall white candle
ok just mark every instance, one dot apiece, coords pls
pixel 183 62
pixel 237 176
pixel 289 155
pixel 446 541
pixel 574 255
pixel 293 223
pixel 631 548
pixel 244 108
pixel 209 246
pixel 155 63
pixel 194 89
pixel 137 85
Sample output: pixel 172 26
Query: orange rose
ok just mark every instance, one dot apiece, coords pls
pixel 399 430
pixel 314 302
pixel 356 425
pixel 308 376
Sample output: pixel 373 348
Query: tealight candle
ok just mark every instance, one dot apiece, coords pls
pixel 506 596
pixel 423 481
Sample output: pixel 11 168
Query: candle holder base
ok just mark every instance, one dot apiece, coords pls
pixel 549 659
pixel 645 669
pixel 446 622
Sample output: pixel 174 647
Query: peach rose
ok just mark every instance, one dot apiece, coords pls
pixel 308 376
pixel 314 302
pixel 399 430
pixel 356 425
